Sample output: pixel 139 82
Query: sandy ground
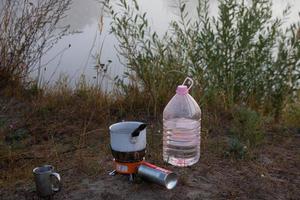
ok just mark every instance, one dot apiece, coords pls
pixel 274 175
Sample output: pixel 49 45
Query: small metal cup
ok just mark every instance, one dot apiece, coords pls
pixel 47 181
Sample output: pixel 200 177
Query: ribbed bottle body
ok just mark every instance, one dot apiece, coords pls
pixel 181 131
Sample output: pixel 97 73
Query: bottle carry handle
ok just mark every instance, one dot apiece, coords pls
pixel 188 79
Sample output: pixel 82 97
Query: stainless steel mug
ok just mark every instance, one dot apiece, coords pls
pixel 47 181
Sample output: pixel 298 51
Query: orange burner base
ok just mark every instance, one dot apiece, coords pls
pixel 127 168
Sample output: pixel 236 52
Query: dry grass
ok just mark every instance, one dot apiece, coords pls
pixel 65 127
pixel 28 31
pixel 69 129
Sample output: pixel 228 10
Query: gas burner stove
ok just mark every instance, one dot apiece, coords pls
pixel 127 168
pixel 128 147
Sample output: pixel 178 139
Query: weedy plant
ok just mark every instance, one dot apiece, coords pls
pixel 291 114
pixel 153 67
pixel 244 55
pixel 27 31
pixel 247 126
pixel 236 148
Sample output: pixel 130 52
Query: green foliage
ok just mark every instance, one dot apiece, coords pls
pixel 3 122
pixel 292 115
pixel 242 56
pixel 236 149
pixel 17 135
pixel 246 133
pixel 152 65
pixel 247 126
pixel 33 90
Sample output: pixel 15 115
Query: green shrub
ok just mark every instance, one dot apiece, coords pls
pixel 242 56
pixel 16 136
pixel 236 148
pixel 153 66
pixel 3 122
pixel 247 126
pixel 291 115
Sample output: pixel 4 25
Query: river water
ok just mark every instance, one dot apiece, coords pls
pixel 83 18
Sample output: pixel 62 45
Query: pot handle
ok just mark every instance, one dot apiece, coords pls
pixel 137 131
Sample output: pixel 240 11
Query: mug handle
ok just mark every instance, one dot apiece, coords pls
pixel 57 177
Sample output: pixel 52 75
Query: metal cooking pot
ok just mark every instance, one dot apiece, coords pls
pixel 128 140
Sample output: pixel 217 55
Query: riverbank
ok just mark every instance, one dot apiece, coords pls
pixel 249 97
pixel 71 133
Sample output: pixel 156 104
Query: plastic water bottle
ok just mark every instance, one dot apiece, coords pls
pixel 181 124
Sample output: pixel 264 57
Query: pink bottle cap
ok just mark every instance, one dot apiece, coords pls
pixel 182 90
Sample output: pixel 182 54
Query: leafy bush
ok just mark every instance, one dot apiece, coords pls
pixel 153 65
pixel 236 148
pixel 292 114
pixel 247 126
pixel 242 56
pixel 17 135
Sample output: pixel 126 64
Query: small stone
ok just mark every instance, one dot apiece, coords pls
pixel 265 160
pixel 85 181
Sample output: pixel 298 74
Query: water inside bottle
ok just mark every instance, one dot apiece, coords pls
pixel 181 141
